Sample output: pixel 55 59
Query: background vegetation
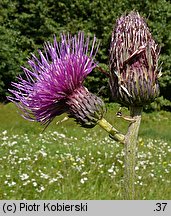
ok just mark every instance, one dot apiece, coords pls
pixel 70 162
pixel 26 24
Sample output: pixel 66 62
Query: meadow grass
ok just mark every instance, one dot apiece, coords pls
pixel 69 162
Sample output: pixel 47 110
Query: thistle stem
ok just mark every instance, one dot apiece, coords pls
pixel 114 134
pixel 130 153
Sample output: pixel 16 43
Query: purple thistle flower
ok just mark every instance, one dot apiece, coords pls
pixel 54 83
pixel 134 59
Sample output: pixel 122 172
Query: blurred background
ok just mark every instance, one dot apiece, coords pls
pixel 26 24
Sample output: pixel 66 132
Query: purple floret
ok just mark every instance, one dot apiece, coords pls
pixel 43 92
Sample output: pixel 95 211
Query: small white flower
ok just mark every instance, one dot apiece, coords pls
pixel 43 175
pixel 84 173
pixel 12 143
pixel 34 184
pixel 4 132
pixel 120 161
pixel 24 176
pixel 62 135
pixel 12 183
pixel 83 180
pixel 4 138
pixel 26 182
pixel 42 188
pixel 110 170
pixel 53 180
pixel 5 182
pixel 166 170
pixel 44 154
pixel 136 168
pixel 151 174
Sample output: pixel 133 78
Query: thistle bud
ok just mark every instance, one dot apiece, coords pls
pixel 133 62
pixel 86 108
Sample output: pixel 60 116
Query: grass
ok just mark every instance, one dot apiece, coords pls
pixel 70 162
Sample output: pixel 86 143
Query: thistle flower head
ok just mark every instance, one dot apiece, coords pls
pixel 55 78
pixel 133 62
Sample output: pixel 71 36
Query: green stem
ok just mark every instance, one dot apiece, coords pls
pixel 114 134
pixel 130 153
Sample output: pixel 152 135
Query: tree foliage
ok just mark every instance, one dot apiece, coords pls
pixel 26 24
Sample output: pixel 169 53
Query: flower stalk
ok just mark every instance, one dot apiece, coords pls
pixel 113 133
pixel 130 150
